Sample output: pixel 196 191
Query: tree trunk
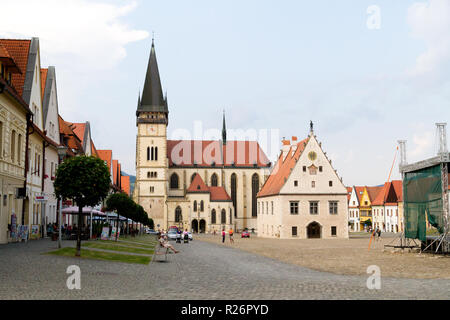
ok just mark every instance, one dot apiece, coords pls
pixel 80 218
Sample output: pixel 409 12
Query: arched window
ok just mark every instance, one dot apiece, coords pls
pixel 178 215
pixel 234 192
pixel 231 216
pixel 195 206
pixel 1 139
pixel 202 206
pixel 148 153
pixel 192 177
pixel 255 189
pixel 153 154
pixel 148 174
pixel 223 216
pixel 213 216
pixel 214 180
pixel 174 181
pixel 156 153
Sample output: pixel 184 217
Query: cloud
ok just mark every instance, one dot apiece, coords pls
pixel 84 33
pixel 422 144
pixel 430 22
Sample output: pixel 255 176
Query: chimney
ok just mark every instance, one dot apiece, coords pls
pixel 285 148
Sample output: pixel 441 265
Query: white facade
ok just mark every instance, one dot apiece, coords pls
pixel 353 211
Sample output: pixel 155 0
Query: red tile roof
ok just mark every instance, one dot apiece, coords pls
pixel 18 50
pixel 215 193
pixel 94 152
pixel 105 155
pixel 72 141
pixel 125 181
pixel 398 187
pixel 115 169
pixel 43 81
pixel 359 192
pixel 373 192
pixel 8 60
pixel 78 129
pixel 349 193
pixel 204 153
pixel 219 194
pixel 382 195
pixel 282 170
pixel 197 185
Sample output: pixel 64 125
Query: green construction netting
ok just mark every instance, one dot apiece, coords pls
pixel 422 200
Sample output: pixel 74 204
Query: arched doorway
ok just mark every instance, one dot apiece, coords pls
pixel 313 230
pixel 194 226
pixel 202 226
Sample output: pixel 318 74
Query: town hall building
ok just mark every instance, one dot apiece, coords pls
pixel 197 185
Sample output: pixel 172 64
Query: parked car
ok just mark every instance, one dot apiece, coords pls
pixel 245 234
pixel 151 231
pixel 172 234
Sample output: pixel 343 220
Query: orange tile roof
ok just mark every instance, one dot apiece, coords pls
pixel 398 187
pixel 43 81
pixel 73 142
pixel 94 150
pixel 380 198
pixel 125 181
pixel 219 194
pixel 215 193
pixel 105 155
pixel 78 129
pixel 282 170
pixel 349 193
pixel 373 192
pixel 115 169
pixel 198 185
pixel 18 50
pixel 204 153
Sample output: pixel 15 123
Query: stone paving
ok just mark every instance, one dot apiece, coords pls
pixel 200 271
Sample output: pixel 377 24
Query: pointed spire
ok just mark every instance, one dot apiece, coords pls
pixel 224 130
pixel 152 94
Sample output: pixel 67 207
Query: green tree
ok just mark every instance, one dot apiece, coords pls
pixel 86 180
pixel 122 204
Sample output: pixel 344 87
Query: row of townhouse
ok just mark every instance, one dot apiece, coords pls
pixel 376 207
pixel 31 130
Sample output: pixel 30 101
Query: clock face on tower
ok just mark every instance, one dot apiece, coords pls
pixel 312 156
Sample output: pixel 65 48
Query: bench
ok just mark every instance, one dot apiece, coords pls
pixel 161 250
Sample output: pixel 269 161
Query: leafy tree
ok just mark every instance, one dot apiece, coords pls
pixel 86 180
pixel 122 204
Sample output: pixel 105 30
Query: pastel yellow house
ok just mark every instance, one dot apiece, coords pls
pixel 365 206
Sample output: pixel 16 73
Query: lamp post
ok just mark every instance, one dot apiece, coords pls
pixel 62 151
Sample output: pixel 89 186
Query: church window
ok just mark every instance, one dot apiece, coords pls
pixel 202 206
pixel 214 180
pixel 178 215
pixel 255 190
pixel 195 206
pixel 156 153
pixel 223 216
pixel 313 184
pixel 231 215
pixel 213 216
pixel 234 192
pixel 174 181
pixel 152 154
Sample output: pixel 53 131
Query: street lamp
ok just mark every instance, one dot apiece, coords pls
pixel 62 151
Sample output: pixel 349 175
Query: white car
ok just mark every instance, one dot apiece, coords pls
pixel 172 235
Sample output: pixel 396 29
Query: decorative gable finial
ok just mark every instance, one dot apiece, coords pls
pixel 311 126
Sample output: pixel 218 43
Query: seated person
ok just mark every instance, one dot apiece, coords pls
pixel 165 244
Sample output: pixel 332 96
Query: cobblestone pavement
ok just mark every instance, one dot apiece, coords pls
pixel 200 271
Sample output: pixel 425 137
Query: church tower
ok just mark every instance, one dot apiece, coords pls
pixel 151 146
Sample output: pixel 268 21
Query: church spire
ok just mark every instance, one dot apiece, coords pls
pixel 152 94
pixel 224 130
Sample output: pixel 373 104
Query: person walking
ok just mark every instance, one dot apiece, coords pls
pixel 231 235
pixel 223 235
pixel 379 233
